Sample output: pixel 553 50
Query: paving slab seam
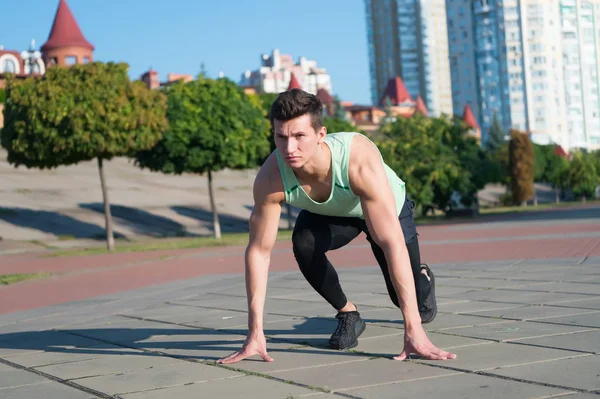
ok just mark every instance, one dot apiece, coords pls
pixel 57 379
pixel 502 377
pixel 551 347
pixel 510 341
pixel 205 362
pixel 118 396
pixel 545 321
pixel 554 292
pixel 399 382
pixel 536 319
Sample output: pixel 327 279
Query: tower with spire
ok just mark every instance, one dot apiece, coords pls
pixel 470 121
pixel 66 45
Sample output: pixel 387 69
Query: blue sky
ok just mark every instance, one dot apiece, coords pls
pixel 230 35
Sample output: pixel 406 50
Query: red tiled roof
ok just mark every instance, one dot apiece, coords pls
pixel 469 118
pixel 65 30
pixel 421 107
pixel 559 151
pixel 396 91
pixel 294 83
pixel 324 96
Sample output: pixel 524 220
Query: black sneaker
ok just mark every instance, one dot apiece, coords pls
pixel 428 307
pixel 350 326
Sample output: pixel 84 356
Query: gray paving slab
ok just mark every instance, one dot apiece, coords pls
pixel 567 287
pixel 111 364
pixel 228 319
pixel 466 282
pixel 496 355
pixel 46 390
pixel 273 305
pixel 586 303
pixel 207 350
pixel 49 357
pixel 585 341
pixel 16 377
pixel 513 330
pixel 238 387
pixel 352 375
pixel 29 342
pixel 533 312
pixel 157 377
pixel 583 320
pixel 457 386
pixel 300 357
pixel 445 321
pixel 519 296
pixel 468 307
pixel 581 372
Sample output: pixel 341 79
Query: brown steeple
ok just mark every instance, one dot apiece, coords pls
pixel 469 118
pixel 294 83
pixel 66 44
pixel 396 92
pixel 421 107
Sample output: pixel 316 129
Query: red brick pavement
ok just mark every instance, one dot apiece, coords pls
pixel 89 276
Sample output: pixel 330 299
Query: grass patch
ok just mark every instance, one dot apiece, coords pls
pixel 6 279
pixel 228 239
pixel 533 208
pixel 440 216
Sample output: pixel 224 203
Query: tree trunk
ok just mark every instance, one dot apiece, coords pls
pixel 535 200
pixel 557 193
pixel 289 216
pixel 213 207
pixel 584 199
pixel 110 239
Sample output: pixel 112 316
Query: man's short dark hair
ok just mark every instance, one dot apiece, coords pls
pixel 294 103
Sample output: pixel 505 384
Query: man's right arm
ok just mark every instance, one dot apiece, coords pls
pixel 263 224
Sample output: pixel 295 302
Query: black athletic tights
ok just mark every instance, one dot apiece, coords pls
pixel 315 234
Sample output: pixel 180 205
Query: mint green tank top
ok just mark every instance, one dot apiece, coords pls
pixel 342 201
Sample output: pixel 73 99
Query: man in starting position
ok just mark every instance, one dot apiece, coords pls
pixel 343 187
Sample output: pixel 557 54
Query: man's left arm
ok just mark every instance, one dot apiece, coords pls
pixel 369 181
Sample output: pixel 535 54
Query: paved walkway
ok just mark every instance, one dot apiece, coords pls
pixel 519 303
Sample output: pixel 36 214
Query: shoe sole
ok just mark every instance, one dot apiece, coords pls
pixel 430 274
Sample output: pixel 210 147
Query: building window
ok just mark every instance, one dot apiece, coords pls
pixel 70 60
pixel 8 66
pixel 86 60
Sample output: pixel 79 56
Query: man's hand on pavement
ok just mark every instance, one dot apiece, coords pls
pixel 255 344
pixel 416 342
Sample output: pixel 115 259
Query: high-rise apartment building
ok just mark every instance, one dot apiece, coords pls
pixel 535 65
pixel 408 38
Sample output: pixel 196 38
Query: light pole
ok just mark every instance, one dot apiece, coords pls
pixel 31 57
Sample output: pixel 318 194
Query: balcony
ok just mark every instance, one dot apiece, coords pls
pixel 482 9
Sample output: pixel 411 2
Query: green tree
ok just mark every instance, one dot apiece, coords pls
pixel 335 125
pixel 338 110
pixel 540 162
pixel 80 113
pixel 435 157
pixel 267 99
pixel 2 96
pixel 213 125
pixel 583 175
pixel 495 135
pixel 557 174
pixel 521 160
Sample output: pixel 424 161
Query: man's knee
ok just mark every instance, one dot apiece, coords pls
pixel 303 245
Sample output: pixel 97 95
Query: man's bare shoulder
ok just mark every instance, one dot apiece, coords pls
pixel 268 187
pixel 364 162
pixel 363 152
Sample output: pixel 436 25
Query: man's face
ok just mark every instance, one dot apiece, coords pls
pixel 297 141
